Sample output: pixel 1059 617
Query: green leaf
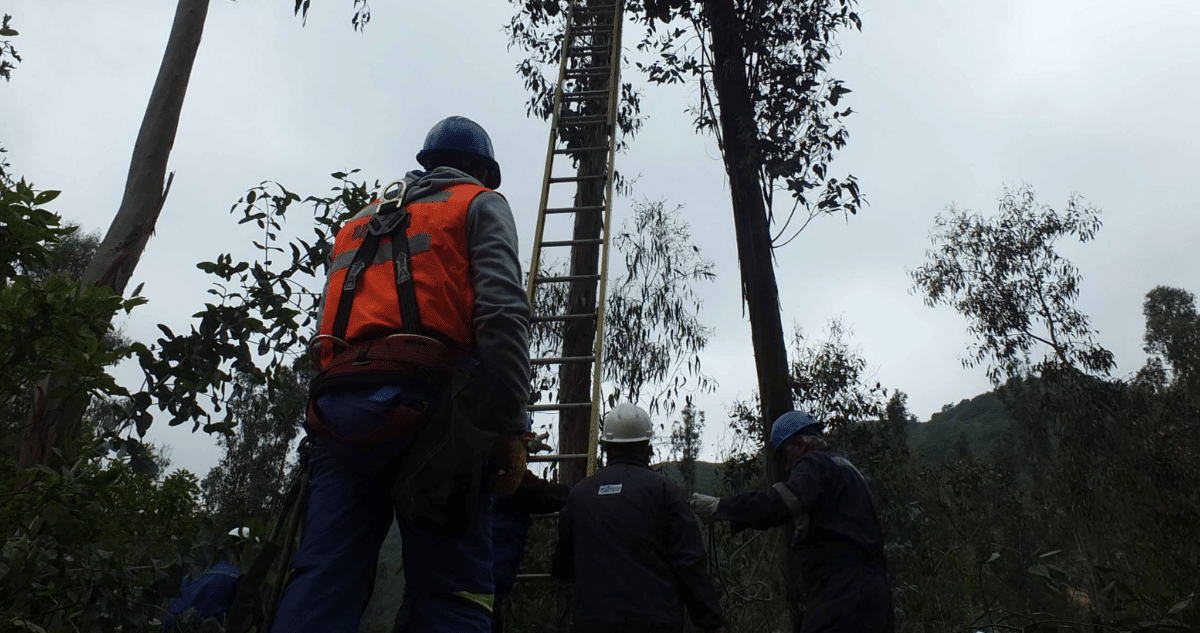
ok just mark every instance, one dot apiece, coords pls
pixel 992 558
pixel 45 197
pixel 1050 553
pixel 1179 606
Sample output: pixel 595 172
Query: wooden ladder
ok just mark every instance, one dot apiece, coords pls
pixel 583 133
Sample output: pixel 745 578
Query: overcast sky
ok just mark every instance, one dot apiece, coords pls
pixel 952 101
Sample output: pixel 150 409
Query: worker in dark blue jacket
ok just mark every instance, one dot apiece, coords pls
pixel 510 532
pixel 211 594
pixel 630 543
pixel 837 541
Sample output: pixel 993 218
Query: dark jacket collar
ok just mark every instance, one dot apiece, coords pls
pixel 632 461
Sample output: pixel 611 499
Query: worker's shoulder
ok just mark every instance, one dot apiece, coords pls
pixel 816 461
pixel 624 478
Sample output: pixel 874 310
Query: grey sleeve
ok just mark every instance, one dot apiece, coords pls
pixel 501 316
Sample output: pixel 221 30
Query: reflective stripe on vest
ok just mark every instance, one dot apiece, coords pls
pixel 437 237
pixel 799 514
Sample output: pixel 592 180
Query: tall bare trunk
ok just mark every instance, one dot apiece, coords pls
pixel 739 132
pixel 57 413
pixel 740 135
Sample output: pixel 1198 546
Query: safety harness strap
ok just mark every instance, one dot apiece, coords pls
pixel 410 315
pixel 366 252
pixel 391 221
pixel 799 515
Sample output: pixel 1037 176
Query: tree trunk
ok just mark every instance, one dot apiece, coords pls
pixel 740 135
pixel 118 255
pixel 739 132
pixel 579 337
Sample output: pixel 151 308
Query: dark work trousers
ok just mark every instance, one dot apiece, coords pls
pixel 852 600
pixel 449 580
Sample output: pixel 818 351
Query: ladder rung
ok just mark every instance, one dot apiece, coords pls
pixel 580 150
pixel 555 458
pixel 574 209
pixel 529 577
pixel 584 242
pixel 584 94
pixel 559 406
pixel 562 360
pixel 587 72
pixel 585 119
pixel 578 178
pixel 590 48
pixel 562 317
pixel 594 9
pixel 552 280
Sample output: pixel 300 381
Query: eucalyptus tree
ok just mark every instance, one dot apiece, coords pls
pixel 146 189
pixel 1018 294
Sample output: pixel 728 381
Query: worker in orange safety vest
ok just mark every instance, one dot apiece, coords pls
pixel 418 401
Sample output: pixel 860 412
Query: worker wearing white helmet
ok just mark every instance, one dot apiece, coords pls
pixel 629 541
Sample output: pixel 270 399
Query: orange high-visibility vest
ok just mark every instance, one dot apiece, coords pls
pixel 437 235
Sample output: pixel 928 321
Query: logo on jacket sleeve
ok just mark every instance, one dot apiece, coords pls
pixel 610 489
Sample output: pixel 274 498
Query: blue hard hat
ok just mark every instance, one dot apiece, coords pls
pixel 460 135
pixel 790 424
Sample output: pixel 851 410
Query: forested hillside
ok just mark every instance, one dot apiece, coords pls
pixel 981 420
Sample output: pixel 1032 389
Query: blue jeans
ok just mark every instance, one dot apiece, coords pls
pixel 349 514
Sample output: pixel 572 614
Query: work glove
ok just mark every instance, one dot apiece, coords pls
pixel 509 457
pixel 539 444
pixel 705 507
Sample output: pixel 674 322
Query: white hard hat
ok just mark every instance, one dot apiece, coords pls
pixel 627 423
pixel 240 533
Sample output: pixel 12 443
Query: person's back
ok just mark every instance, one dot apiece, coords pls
pixel 628 539
pixel 211 594
pixel 621 521
pixel 421 368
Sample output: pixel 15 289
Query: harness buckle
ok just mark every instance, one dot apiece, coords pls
pixel 386 221
pixel 403 275
pixel 317 344
pixel 352 277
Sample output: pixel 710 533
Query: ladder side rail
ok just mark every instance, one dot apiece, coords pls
pixel 535 261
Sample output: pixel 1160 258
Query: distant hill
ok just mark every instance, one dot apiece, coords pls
pixel 983 419
pixel 708 477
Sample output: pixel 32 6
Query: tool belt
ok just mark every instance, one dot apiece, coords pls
pixel 390 360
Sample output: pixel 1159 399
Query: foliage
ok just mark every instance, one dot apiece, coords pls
pixel 362 13
pixel 787 47
pixel 98 546
pixel 264 308
pixel 983 420
pixel 653 334
pixel 652 331
pixel 252 475
pixel 49 323
pixel 1016 291
pixel 1173 330
pixel 1083 519
pixel 829 379
pixel 685 443
pixel 7 50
